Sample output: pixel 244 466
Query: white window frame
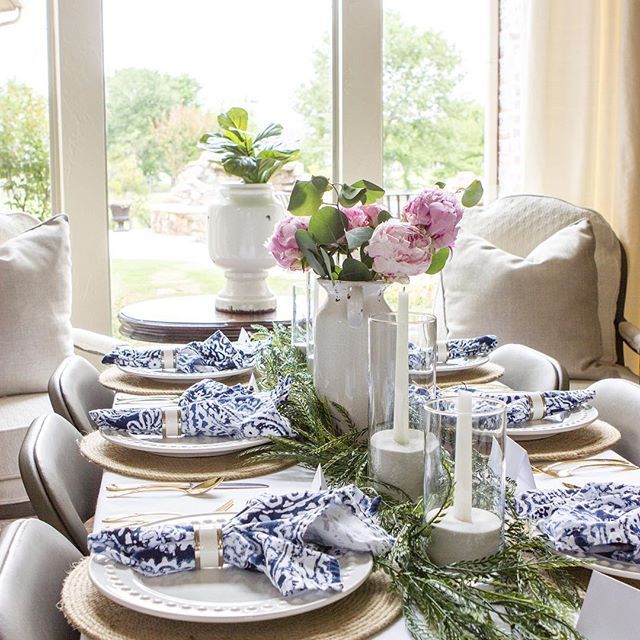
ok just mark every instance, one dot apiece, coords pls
pixel 78 131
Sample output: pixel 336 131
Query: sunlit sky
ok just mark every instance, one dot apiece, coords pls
pixel 247 52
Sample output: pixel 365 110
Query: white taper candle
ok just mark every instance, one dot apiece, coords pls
pixel 462 493
pixel 401 396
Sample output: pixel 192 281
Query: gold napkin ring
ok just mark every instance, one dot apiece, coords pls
pixel 171 422
pixel 207 539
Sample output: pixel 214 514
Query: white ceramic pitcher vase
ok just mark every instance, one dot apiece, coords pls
pixel 340 369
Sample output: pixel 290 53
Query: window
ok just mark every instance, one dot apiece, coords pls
pixel 434 88
pixel 164 87
pixel 25 183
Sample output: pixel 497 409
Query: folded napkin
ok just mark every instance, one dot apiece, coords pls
pixel 452 349
pixel 598 518
pixel 208 408
pixel 293 539
pixel 216 353
pixel 521 407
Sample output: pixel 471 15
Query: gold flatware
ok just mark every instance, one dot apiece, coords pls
pixel 185 485
pixel 138 519
pixel 190 490
pixel 620 465
pixel 586 460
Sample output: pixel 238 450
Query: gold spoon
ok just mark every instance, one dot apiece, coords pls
pixel 621 465
pixel 190 490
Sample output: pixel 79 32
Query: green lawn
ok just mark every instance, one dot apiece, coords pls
pixel 137 280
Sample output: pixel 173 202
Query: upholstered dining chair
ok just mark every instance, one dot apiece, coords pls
pixel 618 402
pixel 34 559
pixel 74 390
pixel 526 369
pixel 62 486
pixel 516 226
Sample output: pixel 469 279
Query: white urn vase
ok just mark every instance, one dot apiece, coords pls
pixel 240 222
pixel 341 344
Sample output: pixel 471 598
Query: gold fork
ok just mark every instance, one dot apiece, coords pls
pixel 136 519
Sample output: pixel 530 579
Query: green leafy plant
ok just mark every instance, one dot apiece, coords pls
pixel 253 158
pixel 335 248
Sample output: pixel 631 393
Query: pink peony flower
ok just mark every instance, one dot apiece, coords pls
pixel 282 244
pixel 439 212
pixel 362 215
pixel 399 250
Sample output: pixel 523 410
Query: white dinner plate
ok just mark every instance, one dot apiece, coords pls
pixel 171 375
pixel 460 364
pixel 627 570
pixel 217 595
pixel 183 447
pixel 537 429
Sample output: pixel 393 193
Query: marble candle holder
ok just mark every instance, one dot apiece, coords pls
pixel 400 465
pixel 453 540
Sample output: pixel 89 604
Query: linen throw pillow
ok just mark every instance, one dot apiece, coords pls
pixel 547 300
pixel 35 306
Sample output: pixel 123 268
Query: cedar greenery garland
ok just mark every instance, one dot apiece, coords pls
pixel 523 592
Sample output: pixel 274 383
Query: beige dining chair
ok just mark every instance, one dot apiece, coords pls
pixel 74 390
pixel 526 369
pixel 34 559
pixel 618 403
pixel 62 486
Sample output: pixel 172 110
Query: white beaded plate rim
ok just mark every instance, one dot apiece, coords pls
pixel 461 364
pixel 184 447
pixel 616 568
pixel 537 429
pixel 171 375
pixel 217 595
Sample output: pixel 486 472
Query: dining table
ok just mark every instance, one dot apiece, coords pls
pixel 173 503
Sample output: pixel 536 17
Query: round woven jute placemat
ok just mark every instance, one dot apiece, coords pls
pixel 365 612
pixel 581 443
pixel 147 466
pixel 117 380
pixel 478 375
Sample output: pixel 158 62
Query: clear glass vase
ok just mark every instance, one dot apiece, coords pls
pixel 464 480
pixel 396 436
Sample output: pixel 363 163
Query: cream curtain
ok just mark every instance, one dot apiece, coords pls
pixel 581 114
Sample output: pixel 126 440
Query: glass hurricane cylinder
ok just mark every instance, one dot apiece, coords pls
pixel 300 316
pixel 396 436
pixel 464 481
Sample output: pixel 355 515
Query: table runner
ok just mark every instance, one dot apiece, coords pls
pixel 147 466
pixel 362 614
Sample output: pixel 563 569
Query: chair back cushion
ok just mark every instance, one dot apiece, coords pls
pixel 546 300
pixel 62 486
pixel 517 224
pixel 34 559
pixel 74 390
pixel 35 308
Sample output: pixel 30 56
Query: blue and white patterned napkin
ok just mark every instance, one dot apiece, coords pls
pixel 458 348
pixel 216 353
pixel 522 407
pixel 208 408
pixel 598 518
pixel 293 539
